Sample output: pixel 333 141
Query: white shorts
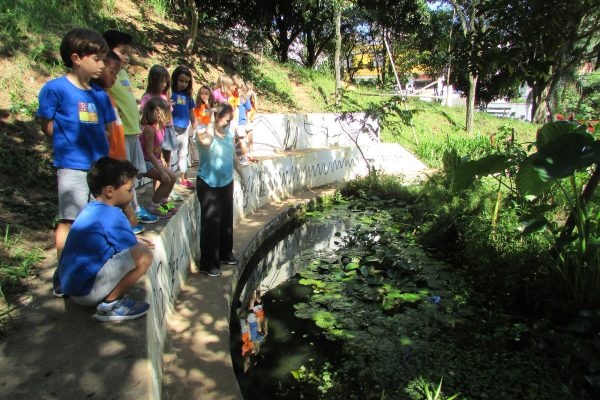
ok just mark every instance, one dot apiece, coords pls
pixel 109 276
pixel 241 131
pixel 73 193
pixel 134 153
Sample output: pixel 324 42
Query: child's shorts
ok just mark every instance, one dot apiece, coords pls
pixel 170 141
pixel 73 193
pixel 109 276
pixel 241 131
pixel 135 155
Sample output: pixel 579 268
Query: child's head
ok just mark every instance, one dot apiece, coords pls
pixel 237 81
pixel 112 66
pixel 155 112
pixel 158 80
pixel 84 48
pixel 204 96
pixel 113 179
pixel 225 83
pixel 223 114
pixel 120 43
pixel 181 80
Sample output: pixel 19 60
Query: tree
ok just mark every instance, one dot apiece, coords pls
pixel 544 41
pixel 472 27
pixel 193 9
pixel 318 31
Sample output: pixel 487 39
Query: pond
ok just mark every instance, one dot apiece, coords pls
pixel 347 306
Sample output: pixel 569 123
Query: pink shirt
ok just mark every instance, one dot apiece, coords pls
pixel 159 137
pixel 218 96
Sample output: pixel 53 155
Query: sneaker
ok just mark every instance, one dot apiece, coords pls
pixel 187 184
pixel 56 289
pixel 170 207
pixel 211 272
pixel 231 260
pixel 145 217
pixel 121 310
pixel 174 196
pixel 139 229
pixel 159 211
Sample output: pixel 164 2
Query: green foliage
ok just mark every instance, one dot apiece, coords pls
pixel 35 27
pixel 16 265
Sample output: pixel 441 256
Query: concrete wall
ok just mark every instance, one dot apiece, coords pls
pixel 177 245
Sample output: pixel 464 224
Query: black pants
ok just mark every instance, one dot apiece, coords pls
pixel 216 224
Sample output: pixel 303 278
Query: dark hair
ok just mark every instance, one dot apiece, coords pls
pixel 113 57
pixel 182 69
pixel 82 42
pixel 109 172
pixel 115 38
pixel 155 75
pixel 211 99
pixel 222 109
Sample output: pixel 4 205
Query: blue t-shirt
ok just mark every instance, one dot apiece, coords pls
pixel 99 232
pixel 244 107
pixel 183 105
pixel 216 161
pixel 79 117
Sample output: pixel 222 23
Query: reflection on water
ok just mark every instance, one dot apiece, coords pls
pixel 267 340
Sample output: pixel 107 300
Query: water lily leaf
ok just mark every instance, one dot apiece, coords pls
pixel 553 130
pixel 351 266
pixel 465 173
pixel 324 319
pixel 365 271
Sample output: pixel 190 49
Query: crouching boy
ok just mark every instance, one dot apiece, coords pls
pixel 102 258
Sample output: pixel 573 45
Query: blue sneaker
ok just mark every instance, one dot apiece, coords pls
pixel 145 217
pixel 121 310
pixel 138 229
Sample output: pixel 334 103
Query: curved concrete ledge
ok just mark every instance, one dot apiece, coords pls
pixel 56 351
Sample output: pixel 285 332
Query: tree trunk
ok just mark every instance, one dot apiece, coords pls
pixel 338 51
pixel 539 92
pixel 189 47
pixel 311 58
pixel 471 103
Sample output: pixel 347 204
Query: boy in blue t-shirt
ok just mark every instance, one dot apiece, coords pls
pixel 78 120
pixel 102 258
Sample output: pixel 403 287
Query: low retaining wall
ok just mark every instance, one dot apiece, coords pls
pixel 176 246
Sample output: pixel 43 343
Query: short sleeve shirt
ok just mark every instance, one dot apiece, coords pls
pixel 183 106
pixel 116 139
pixel 244 108
pixel 99 232
pixel 122 92
pixel 216 161
pixel 79 136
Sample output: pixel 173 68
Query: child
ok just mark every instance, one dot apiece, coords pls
pixel 78 119
pixel 102 258
pixel 183 117
pixel 204 105
pixel 120 43
pixel 223 89
pixel 243 108
pixel 251 94
pixel 116 138
pixel 155 116
pixel 203 114
pixel 159 84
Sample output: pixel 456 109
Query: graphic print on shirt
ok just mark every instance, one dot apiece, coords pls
pixel 88 113
pixel 181 100
pixel 125 83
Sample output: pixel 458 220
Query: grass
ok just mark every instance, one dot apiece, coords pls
pixel 438 128
pixel 16 260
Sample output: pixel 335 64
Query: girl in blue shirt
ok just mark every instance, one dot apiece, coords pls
pixel 183 117
pixel 214 187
